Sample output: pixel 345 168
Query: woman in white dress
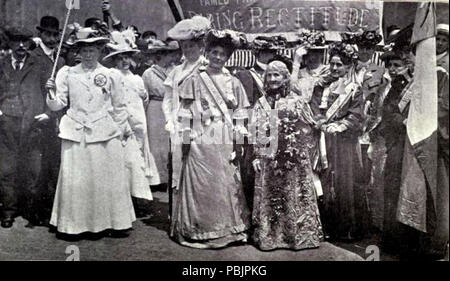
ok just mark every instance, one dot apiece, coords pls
pixel 139 162
pixel 92 193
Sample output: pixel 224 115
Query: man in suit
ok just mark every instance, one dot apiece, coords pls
pixel 49 35
pixel 24 119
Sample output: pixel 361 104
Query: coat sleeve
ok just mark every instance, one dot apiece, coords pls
pixel 62 90
pixel 167 104
pixel 119 111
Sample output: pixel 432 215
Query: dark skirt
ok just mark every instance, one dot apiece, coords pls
pixel 345 199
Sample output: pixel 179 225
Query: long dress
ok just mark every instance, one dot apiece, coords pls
pixel 158 137
pixel 92 194
pixel 345 210
pixel 171 105
pixel 140 164
pixel 210 209
pixel 285 210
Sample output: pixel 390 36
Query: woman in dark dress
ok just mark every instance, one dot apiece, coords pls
pixel 337 104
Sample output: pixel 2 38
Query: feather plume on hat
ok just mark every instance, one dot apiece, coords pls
pixel 122 42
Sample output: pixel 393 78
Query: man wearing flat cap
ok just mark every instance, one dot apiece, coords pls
pixel 23 120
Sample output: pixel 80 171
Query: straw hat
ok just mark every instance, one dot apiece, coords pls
pixel 442 28
pixel 122 42
pixel 156 45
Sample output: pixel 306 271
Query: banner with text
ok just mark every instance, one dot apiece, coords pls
pixel 276 16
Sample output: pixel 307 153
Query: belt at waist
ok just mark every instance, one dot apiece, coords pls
pixel 156 98
pixel 86 120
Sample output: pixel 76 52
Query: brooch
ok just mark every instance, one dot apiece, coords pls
pixel 100 80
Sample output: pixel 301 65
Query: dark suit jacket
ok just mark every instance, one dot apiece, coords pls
pixel 28 83
pixel 249 84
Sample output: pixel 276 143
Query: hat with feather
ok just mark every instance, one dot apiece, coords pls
pixel 122 42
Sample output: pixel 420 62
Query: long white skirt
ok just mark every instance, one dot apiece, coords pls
pixel 158 138
pixel 92 193
pixel 137 170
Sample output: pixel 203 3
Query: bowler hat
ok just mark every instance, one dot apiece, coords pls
pixel 49 23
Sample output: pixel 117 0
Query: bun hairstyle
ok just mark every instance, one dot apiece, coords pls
pixel 346 52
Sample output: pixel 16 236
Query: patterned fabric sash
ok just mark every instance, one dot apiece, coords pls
pixel 258 80
pixel 217 97
pixel 341 101
pixel 406 95
pixel 159 73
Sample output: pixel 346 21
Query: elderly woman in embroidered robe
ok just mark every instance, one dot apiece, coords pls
pixel 92 193
pixel 285 210
pixel 338 107
pixel 210 209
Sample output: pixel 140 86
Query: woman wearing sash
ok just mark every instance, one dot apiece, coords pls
pixel 210 209
pixel 285 210
pixel 338 107
pixel 154 78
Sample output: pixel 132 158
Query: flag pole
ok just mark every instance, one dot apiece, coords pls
pixel 58 53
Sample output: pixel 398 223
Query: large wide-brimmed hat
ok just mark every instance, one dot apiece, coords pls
pixel 155 45
pixel 401 40
pixel 188 29
pixel 312 40
pixel 268 43
pixel 362 38
pixel 229 39
pixel 390 55
pixel 442 28
pixel 122 42
pixel 344 50
pixel 50 24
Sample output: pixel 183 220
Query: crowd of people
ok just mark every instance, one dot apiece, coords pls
pixel 279 155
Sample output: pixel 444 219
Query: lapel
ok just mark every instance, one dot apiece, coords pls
pixel 27 67
pixel 80 74
pixel 40 53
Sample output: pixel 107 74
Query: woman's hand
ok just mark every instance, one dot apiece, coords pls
pixel 335 128
pixel 41 118
pixel 300 53
pixel 50 86
pixel 257 166
pixel 170 127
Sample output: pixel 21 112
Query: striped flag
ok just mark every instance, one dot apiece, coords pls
pixel 418 190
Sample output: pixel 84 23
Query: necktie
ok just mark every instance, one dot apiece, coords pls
pixel 17 65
